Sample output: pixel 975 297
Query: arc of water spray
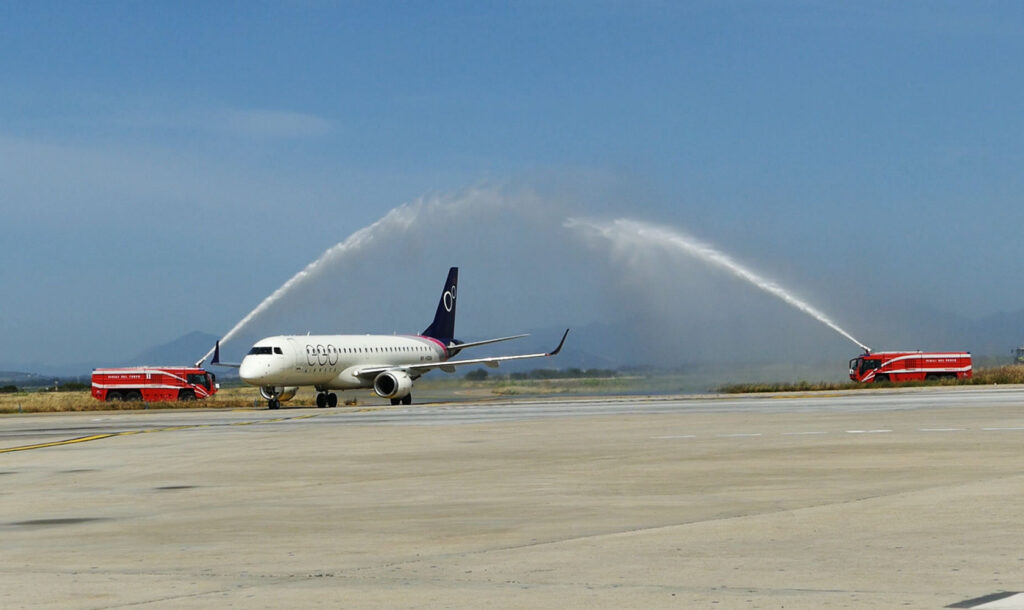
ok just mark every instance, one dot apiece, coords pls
pixel 396 222
pixel 398 218
pixel 635 233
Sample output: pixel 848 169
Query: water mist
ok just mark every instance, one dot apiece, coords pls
pixel 631 234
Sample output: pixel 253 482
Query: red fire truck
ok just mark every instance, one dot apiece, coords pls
pixel 910 366
pixel 153 383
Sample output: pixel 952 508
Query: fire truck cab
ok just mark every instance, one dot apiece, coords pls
pixel 153 384
pixel 910 366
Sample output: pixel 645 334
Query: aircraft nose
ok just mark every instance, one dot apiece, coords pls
pixel 250 371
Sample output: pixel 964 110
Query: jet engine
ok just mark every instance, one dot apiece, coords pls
pixel 269 392
pixel 392 384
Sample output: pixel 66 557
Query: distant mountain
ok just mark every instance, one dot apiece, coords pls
pixel 802 341
pixel 914 326
pixel 43 373
pixel 582 350
pixel 184 350
pixel 22 379
pixel 181 351
pixel 998 334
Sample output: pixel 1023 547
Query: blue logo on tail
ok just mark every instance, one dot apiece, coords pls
pixel 443 326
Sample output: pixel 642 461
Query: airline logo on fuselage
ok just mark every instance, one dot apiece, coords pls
pixel 321 355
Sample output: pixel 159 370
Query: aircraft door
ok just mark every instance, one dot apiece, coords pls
pixel 294 351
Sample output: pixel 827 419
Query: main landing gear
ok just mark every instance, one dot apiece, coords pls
pixel 405 400
pixel 324 399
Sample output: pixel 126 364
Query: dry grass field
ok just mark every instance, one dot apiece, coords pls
pixel 45 402
pixel 996 375
pixel 427 390
pixel 1007 374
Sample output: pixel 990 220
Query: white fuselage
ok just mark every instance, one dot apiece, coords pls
pixel 333 361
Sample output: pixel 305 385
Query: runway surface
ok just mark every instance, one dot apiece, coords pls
pixel 864 499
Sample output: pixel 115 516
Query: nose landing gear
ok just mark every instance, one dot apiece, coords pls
pixel 274 395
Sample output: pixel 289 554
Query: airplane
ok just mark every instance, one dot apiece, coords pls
pixel 387 363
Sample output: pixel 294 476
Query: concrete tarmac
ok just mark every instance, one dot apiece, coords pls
pixel 866 500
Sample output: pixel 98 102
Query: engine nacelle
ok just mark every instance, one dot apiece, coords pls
pixel 393 384
pixel 269 392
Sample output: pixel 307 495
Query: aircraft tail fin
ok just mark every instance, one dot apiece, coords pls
pixel 443 326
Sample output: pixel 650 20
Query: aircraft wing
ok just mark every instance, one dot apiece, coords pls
pixel 449 365
pixel 487 342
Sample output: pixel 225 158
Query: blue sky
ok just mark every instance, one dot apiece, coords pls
pixel 166 165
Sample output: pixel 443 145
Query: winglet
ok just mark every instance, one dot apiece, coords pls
pixel 560 344
pixel 216 358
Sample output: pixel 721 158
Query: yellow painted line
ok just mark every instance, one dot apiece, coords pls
pixel 96 437
pixel 70 441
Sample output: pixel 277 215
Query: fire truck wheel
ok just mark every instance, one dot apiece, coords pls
pixel 114 397
pixel 133 395
pixel 321 400
pixel 185 395
pixel 931 377
pixel 881 378
pixel 332 400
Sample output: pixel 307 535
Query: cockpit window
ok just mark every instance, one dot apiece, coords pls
pixel 277 350
pixel 258 351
